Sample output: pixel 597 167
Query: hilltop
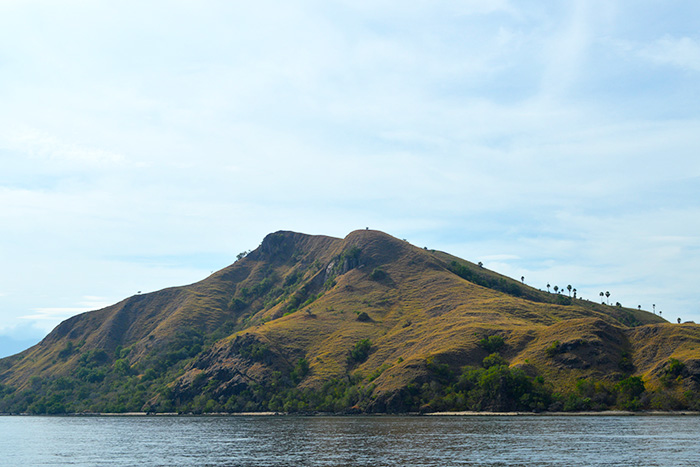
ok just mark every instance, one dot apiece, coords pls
pixel 368 323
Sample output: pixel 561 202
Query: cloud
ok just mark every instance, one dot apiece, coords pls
pixel 55 314
pixel 44 147
pixel 46 318
pixel 683 52
pixel 52 313
pixel 565 50
pixel 138 155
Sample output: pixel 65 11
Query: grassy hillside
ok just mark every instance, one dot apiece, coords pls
pixel 364 323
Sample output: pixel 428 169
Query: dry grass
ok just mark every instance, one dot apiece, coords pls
pixel 420 309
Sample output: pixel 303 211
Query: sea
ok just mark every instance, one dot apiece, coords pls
pixel 465 440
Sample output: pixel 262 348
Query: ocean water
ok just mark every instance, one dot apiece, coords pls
pixel 351 441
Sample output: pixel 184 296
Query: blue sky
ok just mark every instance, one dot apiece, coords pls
pixel 145 144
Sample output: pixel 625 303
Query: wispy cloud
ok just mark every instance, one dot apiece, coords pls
pixel 47 318
pixel 44 147
pixel 681 52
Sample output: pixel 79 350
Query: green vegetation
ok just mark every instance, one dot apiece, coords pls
pixel 256 351
pixel 494 386
pixel 628 391
pixel 673 373
pixel 378 274
pixel 476 277
pixel 236 304
pixel 492 343
pixel 301 369
pixel 360 352
pixel 553 349
pixel 494 359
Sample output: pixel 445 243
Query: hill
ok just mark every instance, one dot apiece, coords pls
pixel 368 323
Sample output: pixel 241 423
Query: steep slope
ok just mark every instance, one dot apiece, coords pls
pixel 369 323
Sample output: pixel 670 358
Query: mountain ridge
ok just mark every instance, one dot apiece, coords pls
pixel 363 323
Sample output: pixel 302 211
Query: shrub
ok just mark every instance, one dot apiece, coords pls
pixel 625 364
pixel 236 304
pixel 300 370
pixel 673 372
pixel 364 317
pixel 292 279
pixel 494 359
pixel 67 351
pixel 441 371
pixel 360 352
pixel 675 367
pixel 149 374
pixel 378 274
pixel 352 253
pixel 122 366
pixel 553 349
pixel 628 392
pixel 256 351
pixel 492 343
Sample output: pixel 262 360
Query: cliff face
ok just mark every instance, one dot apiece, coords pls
pixel 364 323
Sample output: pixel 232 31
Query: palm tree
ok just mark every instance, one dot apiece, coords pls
pixel 522 279
pixel 547 286
pixel 653 307
pixel 574 293
pixel 556 288
pixel 569 289
pixel 639 307
pixel 607 294
pixel 602 294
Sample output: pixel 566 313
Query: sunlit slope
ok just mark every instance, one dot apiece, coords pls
pixel 419 309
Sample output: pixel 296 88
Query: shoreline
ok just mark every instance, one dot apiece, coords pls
pixel 607 413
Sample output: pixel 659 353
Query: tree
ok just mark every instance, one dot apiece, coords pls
pixel 481 265
pixel 122 366
pixel 494 359
pixel 236 304
pixel 568 287
pixel 639 307
pixel 653 308
pixel 607 295
pixel 522 279
pixel 556 288
pixel 574 293
pixel 492 343
pixel 548 286
pixel 361 351
pixel 629 390
pixel 602 294
pixel 679 320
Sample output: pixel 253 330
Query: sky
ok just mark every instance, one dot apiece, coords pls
pixel 143 144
